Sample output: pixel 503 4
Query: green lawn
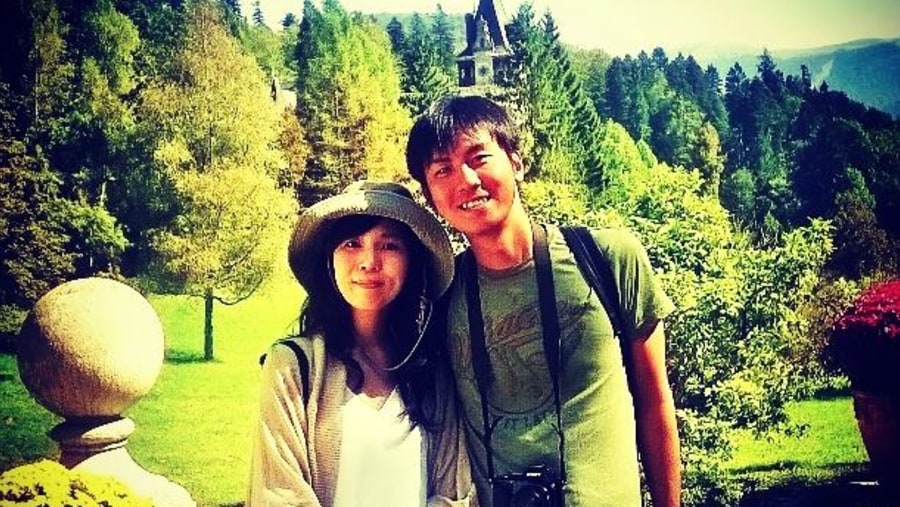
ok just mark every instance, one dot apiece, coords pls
pixel 829 447
pixel 23 423
pixel 194 426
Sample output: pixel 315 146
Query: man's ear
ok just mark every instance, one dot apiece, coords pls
pixel 518 166
pixel 427 195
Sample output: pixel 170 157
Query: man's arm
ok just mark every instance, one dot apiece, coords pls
pixel 655 413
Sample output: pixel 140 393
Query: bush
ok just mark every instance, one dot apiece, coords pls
pixel 11 319
pixel 739 329
pixel 864 343
pixel 832 297
pixel 47 483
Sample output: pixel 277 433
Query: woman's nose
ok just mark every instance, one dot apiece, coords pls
pixel 369 259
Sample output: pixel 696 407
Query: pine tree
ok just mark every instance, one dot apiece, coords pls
pixel 289 20
pixel 712 103
pixel 348 101
pixel 397 36
pixel 560 115
pixel 591 66
pixel 258 18
pixel 444 41
pixel 424 76
pixel 538 94
pixel 618 85
pixel 82 66
pixel 659 59
pixel 33 236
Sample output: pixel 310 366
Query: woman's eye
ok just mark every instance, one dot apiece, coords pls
pixel 392 246
pixel 351 243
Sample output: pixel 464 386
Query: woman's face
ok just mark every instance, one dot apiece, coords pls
pixel 370 268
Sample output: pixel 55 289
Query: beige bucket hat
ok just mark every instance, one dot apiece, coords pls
pixel 383 199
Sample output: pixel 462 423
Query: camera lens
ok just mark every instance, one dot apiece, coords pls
pixel 531 496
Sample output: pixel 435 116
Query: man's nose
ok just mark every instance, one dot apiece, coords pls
pixel 470 176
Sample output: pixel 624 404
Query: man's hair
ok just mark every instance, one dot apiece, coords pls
pixel 439 126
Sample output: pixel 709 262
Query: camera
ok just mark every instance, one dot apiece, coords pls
pixel 537 486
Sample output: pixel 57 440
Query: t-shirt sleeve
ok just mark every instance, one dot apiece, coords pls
pixel 641 297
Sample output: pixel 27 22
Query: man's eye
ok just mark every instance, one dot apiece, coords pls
pixel 479 160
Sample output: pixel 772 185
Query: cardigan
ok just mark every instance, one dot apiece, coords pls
pixel 296 448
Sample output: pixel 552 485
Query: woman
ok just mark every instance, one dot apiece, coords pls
pixel 357 410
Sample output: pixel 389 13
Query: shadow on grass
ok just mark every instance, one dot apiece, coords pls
pixel 184 357
pixel 854 488
pixel 831 393
pixel 836 470
pixel 8 343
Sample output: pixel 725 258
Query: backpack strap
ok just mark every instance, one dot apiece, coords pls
pixel 597 272
pixel 550 332
pixel 302 362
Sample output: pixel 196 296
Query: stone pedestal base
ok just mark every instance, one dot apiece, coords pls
pixel 98 446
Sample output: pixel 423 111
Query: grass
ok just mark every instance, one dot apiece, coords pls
pixel 828 448
pixel 194 426
pixel 23 423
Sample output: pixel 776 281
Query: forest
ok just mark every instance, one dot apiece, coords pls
pixel 170 144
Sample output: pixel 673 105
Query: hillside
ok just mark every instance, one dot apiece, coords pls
pixel 866 70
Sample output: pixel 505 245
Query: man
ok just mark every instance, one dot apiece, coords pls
pixel 464 151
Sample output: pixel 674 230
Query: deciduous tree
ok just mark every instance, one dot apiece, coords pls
pixel 216 147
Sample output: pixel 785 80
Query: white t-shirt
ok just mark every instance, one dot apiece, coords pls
pixel 382 457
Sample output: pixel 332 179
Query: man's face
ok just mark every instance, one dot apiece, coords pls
pixel 473 185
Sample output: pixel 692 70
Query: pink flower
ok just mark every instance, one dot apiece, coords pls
pixel 865 341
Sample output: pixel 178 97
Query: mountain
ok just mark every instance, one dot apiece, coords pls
pixel 867 70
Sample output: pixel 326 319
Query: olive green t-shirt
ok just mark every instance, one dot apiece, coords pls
pixel 597 410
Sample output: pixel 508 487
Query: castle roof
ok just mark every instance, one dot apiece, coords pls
pixel 493 15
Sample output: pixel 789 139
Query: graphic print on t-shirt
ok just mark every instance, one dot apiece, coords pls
pixel 521 383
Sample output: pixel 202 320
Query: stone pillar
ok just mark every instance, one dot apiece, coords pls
pixel 89 350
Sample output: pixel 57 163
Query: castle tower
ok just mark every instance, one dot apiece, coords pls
pixel 485 61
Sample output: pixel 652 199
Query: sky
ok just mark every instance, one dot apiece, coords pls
pixel 628 26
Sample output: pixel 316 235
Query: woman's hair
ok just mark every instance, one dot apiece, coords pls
pixel 326 312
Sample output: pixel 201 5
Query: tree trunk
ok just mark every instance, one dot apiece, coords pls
pixel 208 326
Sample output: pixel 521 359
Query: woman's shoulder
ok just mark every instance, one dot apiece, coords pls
pixel 306 342
pixel 293 350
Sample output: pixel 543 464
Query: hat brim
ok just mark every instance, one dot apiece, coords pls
pixel 305 249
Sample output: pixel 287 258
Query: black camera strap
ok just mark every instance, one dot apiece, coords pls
pixel 552 339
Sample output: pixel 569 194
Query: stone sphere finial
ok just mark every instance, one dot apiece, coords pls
pixel 90 348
